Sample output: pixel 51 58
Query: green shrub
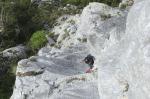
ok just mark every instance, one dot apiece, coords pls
pixel 123 6
pixel 79 39
pixel 65 35
pixel 74 2
pixel 83 40
pixel 57 46
pixel 83 3
pixel 6 85
pixel 105 16
pixel 72 22
pixel 51 34
pixel 7 77
pixel 37 40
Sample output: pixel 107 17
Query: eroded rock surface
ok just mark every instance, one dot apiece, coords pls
pixel 120 43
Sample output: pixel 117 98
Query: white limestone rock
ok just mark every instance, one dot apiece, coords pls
pixel 124 66
pixel 66 30
pixel 121 50
pixel 42 77
pixel 102 25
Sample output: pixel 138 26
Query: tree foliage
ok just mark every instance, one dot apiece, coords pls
pixel 83 3
pixel 20 19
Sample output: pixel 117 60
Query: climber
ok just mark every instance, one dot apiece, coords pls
pixel 89 59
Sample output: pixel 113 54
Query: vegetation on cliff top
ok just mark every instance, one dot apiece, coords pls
pixel 37 40
pixel 21 18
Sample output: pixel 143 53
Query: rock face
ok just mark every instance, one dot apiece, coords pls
pixel 102 24
pixel 120 43
pixel 106 28
pixel 66 27
pixel 51 77
pixel 56 73
pixel 123 61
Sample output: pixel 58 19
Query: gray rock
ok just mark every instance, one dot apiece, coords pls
pixel 120 43
pixel 123 62
pixel 17 52
pixel 11 56
pixel 58 77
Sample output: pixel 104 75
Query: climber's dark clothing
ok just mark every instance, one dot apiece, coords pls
pixel 89 59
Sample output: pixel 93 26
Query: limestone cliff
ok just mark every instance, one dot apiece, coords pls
pixel 118 38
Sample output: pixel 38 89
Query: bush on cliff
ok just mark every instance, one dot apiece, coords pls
pixel 83 3
pixel 37 40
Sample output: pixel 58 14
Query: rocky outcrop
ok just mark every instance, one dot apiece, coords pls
pixel 51 77
pixel 10 56
pixel 120 43
pixel 53 71
pixel 102 26
pixel 106 28
pixel 56 72
pixel 66 28
pixel 17 52
pixel 123 62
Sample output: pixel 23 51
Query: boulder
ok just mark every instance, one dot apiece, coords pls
pixel 17 52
